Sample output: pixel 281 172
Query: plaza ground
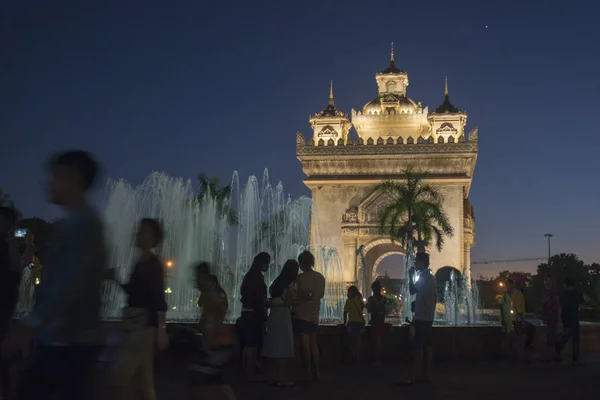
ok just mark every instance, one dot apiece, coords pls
pixel 452 380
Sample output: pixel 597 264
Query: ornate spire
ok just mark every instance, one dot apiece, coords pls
pixel 446 87
pixel 330 110
pixel 446 106
pixel 392 69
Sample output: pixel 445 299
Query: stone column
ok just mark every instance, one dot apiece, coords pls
pixel 467 265
pixel 351 263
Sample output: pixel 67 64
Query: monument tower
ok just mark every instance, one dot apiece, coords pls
pixel 393 133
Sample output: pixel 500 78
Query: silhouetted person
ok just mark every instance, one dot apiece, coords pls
pixel 65 320
pixel 208 361
pixel 551 316
pixel 311 289
pixel 571 302
pixel 423 285
pixel 518 314
pixel 354 321
pixel 254 312
pixel 279 342
pixel 144 323
pixel 11 266
pixel 377 308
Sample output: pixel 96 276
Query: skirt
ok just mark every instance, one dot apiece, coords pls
pixel 279 340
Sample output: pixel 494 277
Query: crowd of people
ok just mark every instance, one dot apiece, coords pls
pixel 559 311
pixel 69 338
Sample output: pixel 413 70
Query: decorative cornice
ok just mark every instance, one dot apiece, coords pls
pixel 385 149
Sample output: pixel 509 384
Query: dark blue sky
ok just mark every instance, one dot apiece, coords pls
pixel 222 86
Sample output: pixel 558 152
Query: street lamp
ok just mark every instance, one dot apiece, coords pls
pixel 549 236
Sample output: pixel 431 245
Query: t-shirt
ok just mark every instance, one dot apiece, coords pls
pixel 426 297
pixel 68 302
pixel 254 292
pixel 518 303
pixel 146 288
pixel 377 309
pixel 570 301
pixel 354 308
pixel 313 282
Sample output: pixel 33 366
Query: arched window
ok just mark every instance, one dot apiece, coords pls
pixel 391 87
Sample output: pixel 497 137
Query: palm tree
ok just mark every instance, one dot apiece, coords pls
pixel 414 215
pixel 210 188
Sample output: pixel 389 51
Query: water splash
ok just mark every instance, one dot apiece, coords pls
pixel 461 303
pixel 269 220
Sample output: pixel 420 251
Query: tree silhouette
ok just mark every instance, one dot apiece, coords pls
pixel 415 212
pixel 210 188
pixel 6 201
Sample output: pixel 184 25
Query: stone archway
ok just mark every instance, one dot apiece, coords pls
pixel 370 255
pixel 376 271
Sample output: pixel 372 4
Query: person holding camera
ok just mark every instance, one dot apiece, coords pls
pixel 422 283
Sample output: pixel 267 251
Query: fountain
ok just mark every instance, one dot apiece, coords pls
pixel 460 302
pixel 269 221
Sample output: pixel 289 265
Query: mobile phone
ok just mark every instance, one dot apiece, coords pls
pixel 31 266
pixel 20 233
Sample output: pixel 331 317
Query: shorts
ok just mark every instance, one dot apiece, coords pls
pixel 251 329
pixel 303 327
pixel 422 337
pixel 355 329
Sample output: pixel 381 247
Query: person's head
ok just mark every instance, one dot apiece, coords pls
pixel 8 219
pixel 421 261
pixel 288 274
pixel 72 174
pixel 306 261
pixel 353 292
pixel 569 283
pixel 261 261
pixel 149 234
pixel 510 285
pixel 201 273
pixel 549 282
pixel 376 287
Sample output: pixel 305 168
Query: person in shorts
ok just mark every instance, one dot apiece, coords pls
pixel 210 352
pixel 422 283
pixel 311 289
pixel 254 312
pixel 377 307
pixel 354 321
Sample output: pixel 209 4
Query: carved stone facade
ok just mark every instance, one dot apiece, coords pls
pixel 393 133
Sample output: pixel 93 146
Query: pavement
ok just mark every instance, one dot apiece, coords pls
pixel 451 380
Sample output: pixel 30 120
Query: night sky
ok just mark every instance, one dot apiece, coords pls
pixel 221 86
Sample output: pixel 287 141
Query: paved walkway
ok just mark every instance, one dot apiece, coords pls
pixel 460 380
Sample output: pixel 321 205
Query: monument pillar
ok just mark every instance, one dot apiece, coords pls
pixel 467 265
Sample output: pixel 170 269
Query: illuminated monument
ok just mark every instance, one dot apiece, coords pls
pixel 394 132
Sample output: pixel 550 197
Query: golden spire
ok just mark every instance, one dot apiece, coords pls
pixel 446 87
pixel 392 56
pixel 331 93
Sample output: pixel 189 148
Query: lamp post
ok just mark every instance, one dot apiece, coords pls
pixel 549 236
